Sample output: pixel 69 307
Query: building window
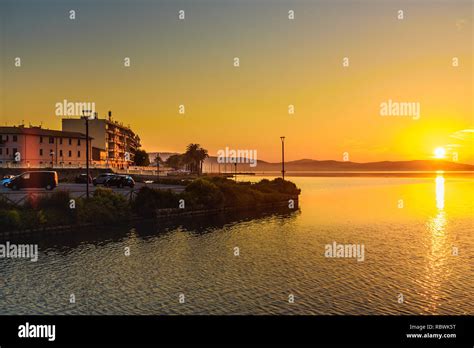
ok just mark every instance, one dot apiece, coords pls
pixel 14 151
pixel 15 138
pixel 51 140
pixel 60 141
pixel 1 151
pixel 78 154
pixel 41 139
pixel 70 153
pixel 7 137
pixel 60 153
pixel 78 142
pixel 41 152
pixel 8 151
pixel 70 141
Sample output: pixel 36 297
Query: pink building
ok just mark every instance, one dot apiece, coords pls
pixel 36 147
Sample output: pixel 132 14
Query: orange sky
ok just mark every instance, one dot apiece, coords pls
pixel 299 62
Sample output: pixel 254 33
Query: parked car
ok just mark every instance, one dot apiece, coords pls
pixel 119 181
pixel 101 178
pixel 39 179
pixel 82 179
pixel 6 179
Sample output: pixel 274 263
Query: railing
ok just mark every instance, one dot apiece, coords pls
pixel 18 198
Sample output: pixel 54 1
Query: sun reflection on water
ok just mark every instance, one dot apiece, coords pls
pixel 437 266
pixel 440 192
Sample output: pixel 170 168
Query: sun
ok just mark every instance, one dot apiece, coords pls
pixel 439 152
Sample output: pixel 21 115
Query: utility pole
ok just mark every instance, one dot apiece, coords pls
pixel 86 118
pixel 283 157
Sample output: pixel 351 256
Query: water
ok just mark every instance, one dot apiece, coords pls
pixel 408 251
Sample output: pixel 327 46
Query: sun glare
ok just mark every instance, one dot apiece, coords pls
pixel 440 152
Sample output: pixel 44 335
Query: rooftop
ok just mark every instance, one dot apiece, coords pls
pixel 41 132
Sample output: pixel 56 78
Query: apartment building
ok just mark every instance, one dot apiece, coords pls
pixel 37 147
pixel 114 143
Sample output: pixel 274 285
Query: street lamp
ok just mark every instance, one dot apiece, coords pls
pixel 87 118
pixel 158 168
pixel 283 157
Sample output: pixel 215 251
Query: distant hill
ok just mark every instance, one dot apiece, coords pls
pixel 330 165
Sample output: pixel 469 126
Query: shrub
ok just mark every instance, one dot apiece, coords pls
pixel 10 220
pixel 277 185
pixel 6 204
pixel 57 200
pixel 148 200
pixel 104 207
pixel 205 194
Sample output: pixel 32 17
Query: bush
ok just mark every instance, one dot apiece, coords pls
pixel 10 220
pixel 52 209
pixel 148 200
pixel 205 194
pixel 248 194
pixel 277 185
pixel 104 207
pixel 57 200
pixel 6 204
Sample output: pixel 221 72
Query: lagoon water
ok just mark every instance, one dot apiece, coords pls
pixel 408 226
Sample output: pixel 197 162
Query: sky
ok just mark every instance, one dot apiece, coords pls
pixel 283 62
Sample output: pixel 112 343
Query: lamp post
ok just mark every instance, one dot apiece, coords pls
pixel 86 118
pixel 158 168
pixel 283 157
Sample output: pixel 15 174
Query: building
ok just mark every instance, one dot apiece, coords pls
pixel 114 144
pixel 37 147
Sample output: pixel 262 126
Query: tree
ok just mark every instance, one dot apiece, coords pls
pixel 194 157
pixel 158 160
pixel 175 161
pixel 202 155
pixel 141 158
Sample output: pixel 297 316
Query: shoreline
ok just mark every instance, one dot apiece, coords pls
pixel 161 214
pixel 408 174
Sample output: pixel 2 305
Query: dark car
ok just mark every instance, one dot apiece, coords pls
pixel 40 179
pixel 82 179
pixel 119 181
pixel 101 178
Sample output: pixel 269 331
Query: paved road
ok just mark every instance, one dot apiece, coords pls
pixel 79 190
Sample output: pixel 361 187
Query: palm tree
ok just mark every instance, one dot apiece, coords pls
pixel 195 156
pixel 202 155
